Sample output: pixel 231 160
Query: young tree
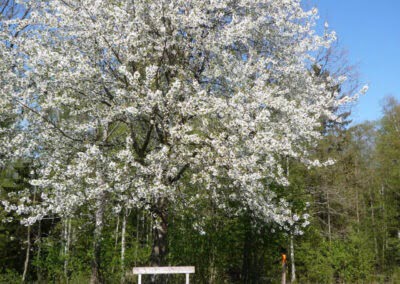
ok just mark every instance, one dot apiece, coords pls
pixel 127 102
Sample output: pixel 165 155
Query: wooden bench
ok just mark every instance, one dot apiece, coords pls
pixel 163 270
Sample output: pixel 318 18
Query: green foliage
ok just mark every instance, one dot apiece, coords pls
pixel 313 262
pixel 10 276
pixel 352 259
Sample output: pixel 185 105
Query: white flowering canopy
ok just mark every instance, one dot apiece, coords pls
pixel 138 99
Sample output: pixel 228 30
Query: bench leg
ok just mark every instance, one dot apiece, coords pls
pixel 187 278
pixel 140 279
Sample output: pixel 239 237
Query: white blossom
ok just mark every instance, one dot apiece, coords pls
pixel 125 98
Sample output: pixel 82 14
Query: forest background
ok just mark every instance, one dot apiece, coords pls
pixel 353 206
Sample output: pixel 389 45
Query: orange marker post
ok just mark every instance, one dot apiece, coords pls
pixel 284 263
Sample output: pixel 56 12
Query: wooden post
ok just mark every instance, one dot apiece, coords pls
pixel 187 278
pixel 284 261
pixel 140 279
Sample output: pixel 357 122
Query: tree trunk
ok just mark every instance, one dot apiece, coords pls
pixel 357 194
pixel 67 242
pixel 385 231
pixel 160 229
pixel 28 248
pixel 357 211
pixel 246 262
pixel 123 245
pixel 329 219
pixel 39 248
pixel 292 263
pixel 137 235
pixel 96 276
pixel 159 249
pixel 212 247
pixel 372 204
pixel 27 256
pixel 116 234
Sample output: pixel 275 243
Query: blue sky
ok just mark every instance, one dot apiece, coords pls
pixel 370 31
